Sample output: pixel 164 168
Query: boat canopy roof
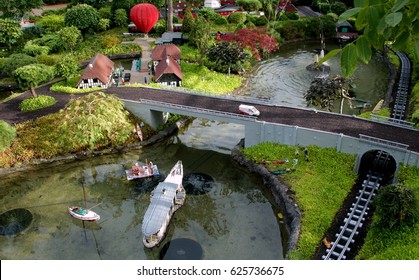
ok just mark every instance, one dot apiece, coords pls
pixel 161 201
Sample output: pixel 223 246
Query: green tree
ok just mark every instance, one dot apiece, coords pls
pixel 97 4
pixel 15 61
pixel 380 21
pixel 227 54
pixel 69 37
pixel 187 22
pixel 200 37
pixel 30 76
pixel 92 121
pixel 34 49
pixel 7 135
pixel 10 32
pixel 249 5
pixel 82 16
pixel 66 67
pixel 17 9
pixel 324 91
pixel 51 23
pixel 120 17
pixel 396 205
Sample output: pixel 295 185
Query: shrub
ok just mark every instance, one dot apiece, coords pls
pixel 105 12
pixel 52 41
pixel 396 206
pixel 49 60
pixel 34 50
pixel 15 61
pixel 261 21
pixel 7 135
pixel 104 24
pixel 120 18
pixel 35 103
pixel 51 23
pixel 237 18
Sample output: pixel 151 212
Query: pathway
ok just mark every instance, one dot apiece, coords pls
pixel 142 76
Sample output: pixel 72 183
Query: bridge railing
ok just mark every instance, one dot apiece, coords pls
pixel 193 109
pixel 392 121
pixel 248 99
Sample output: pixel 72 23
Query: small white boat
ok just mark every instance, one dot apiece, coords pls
pixel 166 198
pixel 83 214
pixel 139 171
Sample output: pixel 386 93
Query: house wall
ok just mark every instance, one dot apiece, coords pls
pixel 169 80
pixel 90 83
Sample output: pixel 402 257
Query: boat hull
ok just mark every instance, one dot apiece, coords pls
pixel 86 215
pixel 142 172
pixel 166 198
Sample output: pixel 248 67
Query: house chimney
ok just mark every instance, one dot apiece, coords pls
pixel 167 60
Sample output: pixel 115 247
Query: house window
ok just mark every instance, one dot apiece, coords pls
pixel 95 80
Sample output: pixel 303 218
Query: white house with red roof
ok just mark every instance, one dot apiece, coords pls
pixel 98 73
pixel 166 65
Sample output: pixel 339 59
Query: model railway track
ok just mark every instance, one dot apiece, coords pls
pixel 357 213
pixel 402 93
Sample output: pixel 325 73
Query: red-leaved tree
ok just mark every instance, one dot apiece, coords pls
pixel 257 39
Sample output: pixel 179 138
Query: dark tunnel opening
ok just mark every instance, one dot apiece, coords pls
pixel 378 162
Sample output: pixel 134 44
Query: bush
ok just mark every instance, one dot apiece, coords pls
pixel 34 50
pixel 396 206
pixel 7 135
pixel 237 18
pixel 51 23
pixel 52 41
pixel 104 24
pixel 16 61
pixel 109 41
pixel 105 12
pixel 35 103
pixel 120 18
pixel 261 21
pixel 49 60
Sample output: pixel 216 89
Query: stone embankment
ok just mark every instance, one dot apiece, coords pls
pixel 281 193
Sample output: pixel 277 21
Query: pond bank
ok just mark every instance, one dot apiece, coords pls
pixel 281 193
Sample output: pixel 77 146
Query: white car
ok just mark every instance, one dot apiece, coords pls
pixel 248 110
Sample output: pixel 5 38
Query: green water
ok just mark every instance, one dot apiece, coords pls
pixel 236 219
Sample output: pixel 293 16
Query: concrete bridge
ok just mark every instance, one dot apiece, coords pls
pixel 286 125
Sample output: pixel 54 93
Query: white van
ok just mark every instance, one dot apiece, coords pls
pixel 248 110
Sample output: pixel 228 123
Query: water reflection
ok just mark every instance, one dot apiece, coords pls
pixel 284 79
pixel 225 220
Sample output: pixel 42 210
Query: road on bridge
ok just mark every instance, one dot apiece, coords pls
pixel 319 120
pixel 347 125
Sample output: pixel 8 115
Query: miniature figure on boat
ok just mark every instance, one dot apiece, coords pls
pixel 139 171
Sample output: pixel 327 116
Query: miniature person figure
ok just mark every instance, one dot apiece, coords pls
pixel 306 153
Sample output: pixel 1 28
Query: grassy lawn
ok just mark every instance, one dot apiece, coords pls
pixel 398 243
pixel 320 186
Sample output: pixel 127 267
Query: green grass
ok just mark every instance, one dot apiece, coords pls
pixel 200 78
pixel 398 243
pixel 320 185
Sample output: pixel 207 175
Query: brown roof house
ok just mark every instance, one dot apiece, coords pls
pixel 98 73
pixel 166 65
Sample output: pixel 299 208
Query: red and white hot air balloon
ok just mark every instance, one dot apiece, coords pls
pixel 144 16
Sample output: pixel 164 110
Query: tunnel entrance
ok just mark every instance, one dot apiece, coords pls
pixel 378 162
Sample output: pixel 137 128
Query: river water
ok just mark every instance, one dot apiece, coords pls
pixel 231 216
